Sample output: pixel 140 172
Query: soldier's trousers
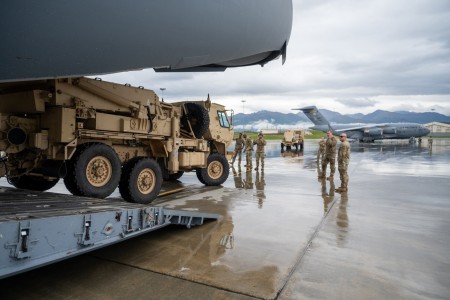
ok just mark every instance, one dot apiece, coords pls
pixel 342 168
pixel 260 157
pixel 237 153
pixel 329 159
pixel 248 156
pixel 320 156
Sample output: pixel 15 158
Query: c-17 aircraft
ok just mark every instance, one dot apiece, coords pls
pixel 365 133
pixel 58 39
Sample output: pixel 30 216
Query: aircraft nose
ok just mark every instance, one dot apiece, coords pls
pixel 426 130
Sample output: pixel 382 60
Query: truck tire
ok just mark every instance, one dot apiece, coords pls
pixel 94 171
pixel 34 183
pixel 199 174
pixel 141 180
pixel 69 182
pixel 216 172
pixel 198 117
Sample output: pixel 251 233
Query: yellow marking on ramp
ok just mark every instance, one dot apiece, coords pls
pixel 172 191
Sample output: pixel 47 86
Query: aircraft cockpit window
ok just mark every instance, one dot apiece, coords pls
pixel 223 119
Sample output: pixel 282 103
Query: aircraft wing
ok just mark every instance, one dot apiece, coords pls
pixel 54 39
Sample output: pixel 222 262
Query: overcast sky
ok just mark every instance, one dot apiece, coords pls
pixel 345 55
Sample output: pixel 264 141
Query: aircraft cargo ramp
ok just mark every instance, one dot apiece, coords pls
pixel 41 228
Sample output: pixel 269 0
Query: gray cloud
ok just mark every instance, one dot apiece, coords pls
pixel 358 102
pixel 359 52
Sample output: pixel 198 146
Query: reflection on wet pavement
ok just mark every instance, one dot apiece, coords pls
pixel 327 194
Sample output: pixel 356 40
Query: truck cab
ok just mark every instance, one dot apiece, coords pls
pixel 293 138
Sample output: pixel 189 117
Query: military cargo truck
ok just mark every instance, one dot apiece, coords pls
pixel 99 135
pixel 293 138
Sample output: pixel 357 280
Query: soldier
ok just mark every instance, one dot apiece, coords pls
pixel 238 149
pixel 294 143
pixel 248 149
pixel 343 160
pixel 430 143
pixel 260 143
pixel 321 150
pixel 300 142
pixel 330 156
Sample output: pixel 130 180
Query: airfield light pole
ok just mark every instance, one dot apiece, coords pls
pixel 243 101
pixel 162 92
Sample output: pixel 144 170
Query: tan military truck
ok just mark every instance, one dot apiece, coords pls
pixel 293 138
pixel 100 135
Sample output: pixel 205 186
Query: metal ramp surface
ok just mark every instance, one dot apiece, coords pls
pixel 37 229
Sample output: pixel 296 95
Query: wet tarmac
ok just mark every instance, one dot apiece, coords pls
pixel 284 235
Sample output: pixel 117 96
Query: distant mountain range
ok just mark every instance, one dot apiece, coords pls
pixel 379 116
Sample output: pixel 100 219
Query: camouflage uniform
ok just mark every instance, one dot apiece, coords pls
pixel 343 160
pixel 260 143
pixel 238 149
pixel 248 152
pixel 300 142
pixel 321 150
pixel 330 156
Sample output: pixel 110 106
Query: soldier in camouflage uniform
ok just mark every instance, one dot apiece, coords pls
pixel 321 150
pixel 248 149
pixel 300 142
pixel 238 149
pixel 260 143
pixel 343 160
pixel 330 156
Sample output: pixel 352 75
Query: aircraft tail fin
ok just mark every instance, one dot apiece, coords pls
pixel 315 116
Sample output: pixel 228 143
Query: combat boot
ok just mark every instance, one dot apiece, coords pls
pixel 321 174
pixel 341 190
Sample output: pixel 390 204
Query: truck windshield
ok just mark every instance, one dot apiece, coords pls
pixel 223 119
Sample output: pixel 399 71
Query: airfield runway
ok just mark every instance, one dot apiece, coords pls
pixel 283 235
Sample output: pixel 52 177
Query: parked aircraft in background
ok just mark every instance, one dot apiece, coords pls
pixel 51 39
pixel 365 133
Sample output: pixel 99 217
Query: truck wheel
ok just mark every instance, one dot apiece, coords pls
pixel 69 180
pixel 175 176
pixel 94 171
pixel 198 117
pixel 34 183
pixel 141 180
pixel 199 174
pixel 216 172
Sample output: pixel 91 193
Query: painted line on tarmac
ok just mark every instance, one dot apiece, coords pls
pixel 170 192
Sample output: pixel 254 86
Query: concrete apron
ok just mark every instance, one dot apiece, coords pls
pixel 284 234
